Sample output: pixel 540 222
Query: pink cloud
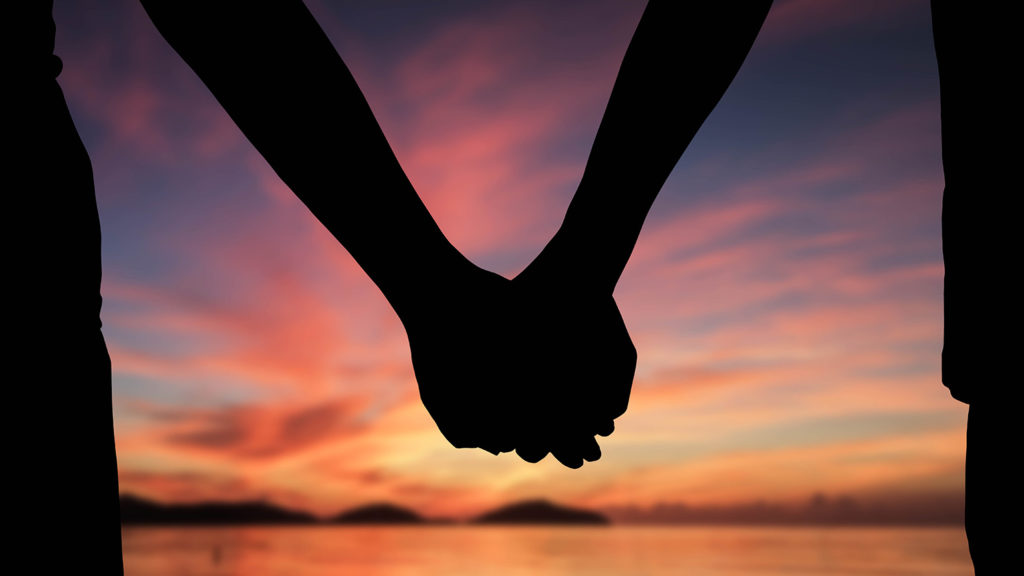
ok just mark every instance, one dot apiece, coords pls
pixel 484 147
pixel 151 106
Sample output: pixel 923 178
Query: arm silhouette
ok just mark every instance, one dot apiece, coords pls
pixel 277 75
pixel 679 63
pixel 482 370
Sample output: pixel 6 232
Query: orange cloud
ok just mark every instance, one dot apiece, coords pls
pixel 261 432
pixel 790 474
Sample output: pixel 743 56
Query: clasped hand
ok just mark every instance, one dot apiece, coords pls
pixel 530 364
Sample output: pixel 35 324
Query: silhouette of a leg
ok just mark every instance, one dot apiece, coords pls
pixel 60 468
pixel 992 485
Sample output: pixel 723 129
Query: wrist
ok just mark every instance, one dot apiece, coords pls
pixel 427 286
pixel 576 260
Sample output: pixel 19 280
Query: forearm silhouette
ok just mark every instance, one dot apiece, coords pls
pixel 279 78
pixel 680 61
pixel 474 350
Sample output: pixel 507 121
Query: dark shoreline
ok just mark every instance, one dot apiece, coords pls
pixel 142 512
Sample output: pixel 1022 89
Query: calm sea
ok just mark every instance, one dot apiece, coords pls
pixel 532 551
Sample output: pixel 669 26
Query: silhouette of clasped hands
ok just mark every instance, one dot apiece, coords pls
pixel 526 364
pixel 538 364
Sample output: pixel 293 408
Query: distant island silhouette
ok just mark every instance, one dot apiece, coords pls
pixel 381 513
pixel 540 512
pixel 818 510
pixel 135 510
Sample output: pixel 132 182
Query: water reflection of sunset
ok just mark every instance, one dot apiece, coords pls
pixel 457 551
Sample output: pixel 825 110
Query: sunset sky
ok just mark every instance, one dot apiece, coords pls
pixel 785 296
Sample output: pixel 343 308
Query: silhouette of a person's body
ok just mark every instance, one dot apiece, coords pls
pixel 538 364
pixel 60 468
pixel 977 54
